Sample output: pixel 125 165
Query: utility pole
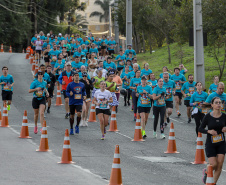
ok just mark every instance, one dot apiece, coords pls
pixel 35 14
pixel 69 21
pixel 116 27
pixel 128 22
pixel 110 27
pixel 199 68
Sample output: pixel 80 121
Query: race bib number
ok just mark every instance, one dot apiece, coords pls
pixel 144 99
pixel 191 90
pixel 121 63
pixel 217 138
pixel 223 107
pixel 178 86
pixel 39 93
pixel 126 83
pixel 78 96
pixel 88 100
pixel 6 87
pixel 161 101
pixel 168 93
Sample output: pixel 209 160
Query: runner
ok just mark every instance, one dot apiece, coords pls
pixel 215 141
pixel 102 98
pixel 159 107
pixel 170 86
pixel 213 87
pixel 86 103
pixel 7 82
pixel 109 64
pixel 144 103
pixel 38 47
pixel 146 71
pixel 111 46
pixel 120 60
pixel 39 90
pixel 58 68
pixel 92 64
pixel 125 85
pixel 96 81
pixel 46 55
pixel 179 80
pixel 187 90
pixel 196 101
pixel 51 88
pixel 134 83
pixel 65 78
pixel 118 82
pixel 165 69
pixel 100 67
pixel 183 70
pixel 76 65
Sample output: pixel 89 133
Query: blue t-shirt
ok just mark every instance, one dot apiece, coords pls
pixel 161 76
pixel 169 86
pixel 46 44
pixel 143 99
pixel 46 77
pixel 97 43
pixel 52 52
pixel 196 97
pixel 213 88
pixel 39 94
pixel 176 79
pixel 121 58
pixel 161 101
pixel 146 73
pixel 60 38
pixel 79 39
pixel 78 54
pixel 85 42
pixel 33 39
pixel 108 65
pixel 182 72
pixel 130 69
pixel 106 41
pixel 85 64
pixel 95 50
pixel 129 50
pixel 76 66
pixel 42 37
pixel 153 83
pixel 84 51
pixel 60 70
pixel 111 43
pixel 125 83
pixel 189 89
pixel 222 97
pixel 135 82
pixel 8 80
pixel 78 90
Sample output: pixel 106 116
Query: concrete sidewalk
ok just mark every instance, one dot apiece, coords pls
pixel 20 164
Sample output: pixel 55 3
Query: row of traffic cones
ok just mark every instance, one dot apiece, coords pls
pixel 2 49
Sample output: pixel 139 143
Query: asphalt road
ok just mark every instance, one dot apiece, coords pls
pixel 141 162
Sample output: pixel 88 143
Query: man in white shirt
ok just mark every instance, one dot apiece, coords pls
pixel 104 71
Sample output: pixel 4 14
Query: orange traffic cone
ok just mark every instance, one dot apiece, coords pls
pixel 33 66
pixel 28 52
pixel 23 51
pixel 31 59
pixel 44 144
pixel 5 121
pixel 66 155
pixel 137 133
pixel 2 50
pixel 200 154
pixel 116 175
pixel 113 123
pixel 172 148
pixel 0 114
pixel 24 133
pixel 36 68
pixel 210 179
pixel 58 99
pixel 10 49
pixel 92 115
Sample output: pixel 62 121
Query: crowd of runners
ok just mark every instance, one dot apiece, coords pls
pixel 88 70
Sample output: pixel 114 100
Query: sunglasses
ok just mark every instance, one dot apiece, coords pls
pixel 217 102
pixel 40 74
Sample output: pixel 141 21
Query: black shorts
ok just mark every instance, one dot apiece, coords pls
pixel 64 93
pixel 104 111
pixel 69 53
pixel 57 76
pixel 78 108
pixel 179 94
pixel 7 95
pixel 103 47
pixel 50 92
pixel 144 109
pixel 36 103
pixel 99 49
pixel 119 68
pixel 38 52
pixel 110 52
pixel 169 104
pixel 187 103
pixel 213 149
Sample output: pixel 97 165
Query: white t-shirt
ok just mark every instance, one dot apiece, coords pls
pixel 38 45
pixel 104 73
pixel 102 96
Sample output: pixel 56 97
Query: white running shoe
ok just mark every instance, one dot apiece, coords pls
pixel 81 124
pixel 154 134
pixel 162 136
pixel 85 123
pixel 153 116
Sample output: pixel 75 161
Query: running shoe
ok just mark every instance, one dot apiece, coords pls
pixel 8 107
pixel 165 125
pixel 144 136
pixel 125 104
pixel 71 131
pixel 67 116
pixel 77 129
pixel 134 118
pixel 128 103
pixel 189 120
pixel 85 123
pixel 48 110
pixel 44 115
pixel 81 123
pixel 162 136
pixel 204 176
pixel 168 120
pixel 178 114
pixel 36 130
pixel 104 130
pixel 154 134
pixel 102 138
pixel 153 116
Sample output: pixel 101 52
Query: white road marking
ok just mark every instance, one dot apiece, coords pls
pixel 176 120
pixel 123 135
pixel 224 170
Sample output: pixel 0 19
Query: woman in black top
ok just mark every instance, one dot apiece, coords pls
pixel 86 104
pixel 215 141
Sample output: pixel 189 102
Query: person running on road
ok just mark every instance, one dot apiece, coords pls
pixel 213 87
pixel 102 98
pixel 77 93
pixel 144 93
pixel 51 87
pixel 159 107
pixel 86 104
pixel 38 47
pixel 183 70
pixel 215 141
pixel 153 83
pixel 58 69
pixel 187 90
pixel 39 90
pixel 7 82
pixel 196 101
pixel 118 82
pixel 179 80
pixel 146 71
pixel 125 85
pixel 170 91
pixel 96 81
pixel 46 55
pixel 134 83
pixel 165 69
pixel 65 78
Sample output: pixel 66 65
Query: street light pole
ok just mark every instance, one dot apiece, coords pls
pixel 128 22
pixel 110 29
pixel 199 68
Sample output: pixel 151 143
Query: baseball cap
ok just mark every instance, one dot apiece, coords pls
pixel 40 72
pixel 48 34
pixel 75 73
pixel 143 78
pixel 83 58
pixel 68 64
pixel 60 34
pixel 38 37
pixel 84 74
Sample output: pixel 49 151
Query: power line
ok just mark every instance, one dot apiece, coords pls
pixel 14 11
pixel 16 4
pixel 43 8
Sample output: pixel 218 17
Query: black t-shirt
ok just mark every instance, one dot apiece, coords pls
pixel 213 124
pixel 53 80
pixel 87 87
